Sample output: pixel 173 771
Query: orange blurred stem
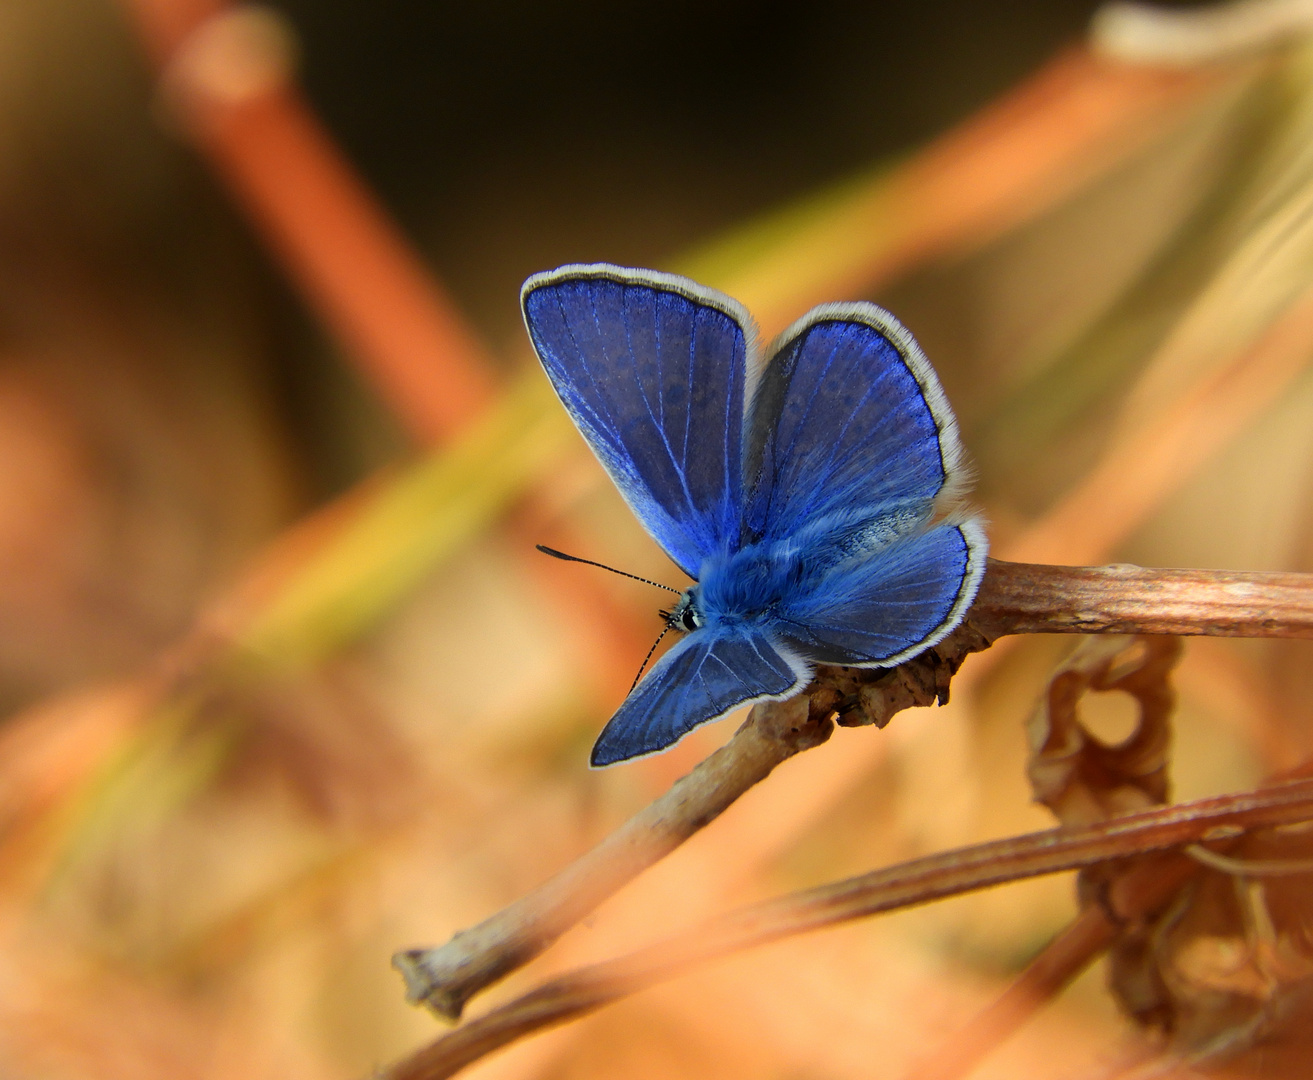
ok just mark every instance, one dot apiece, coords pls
pixel 1135 897
pixel 368 286
pixel 166 24
pixel 226 73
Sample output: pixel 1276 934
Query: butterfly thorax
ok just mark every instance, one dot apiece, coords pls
pixel 762 581
pixel 748 586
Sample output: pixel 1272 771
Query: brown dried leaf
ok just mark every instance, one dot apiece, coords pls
pixel 1073 772
pixel 1224 968
pixel 1226 971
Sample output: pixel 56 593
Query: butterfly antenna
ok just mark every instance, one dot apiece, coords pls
pixel 589 562
pixel 648 657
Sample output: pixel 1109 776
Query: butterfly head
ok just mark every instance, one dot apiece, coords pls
pixel 685 615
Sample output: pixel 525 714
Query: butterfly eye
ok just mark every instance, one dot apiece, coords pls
pixel 689 620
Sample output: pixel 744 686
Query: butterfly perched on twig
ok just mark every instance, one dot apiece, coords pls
pixel 811 494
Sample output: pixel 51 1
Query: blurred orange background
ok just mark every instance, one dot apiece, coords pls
pixel 286 687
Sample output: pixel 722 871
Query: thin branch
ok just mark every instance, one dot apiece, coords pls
pixel 1014 598
pixel 1141 892
pixel 1031 598
pixel 1065 957
pixel 916 882
pixel 445 978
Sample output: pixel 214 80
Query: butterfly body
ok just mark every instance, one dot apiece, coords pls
pixel 811 496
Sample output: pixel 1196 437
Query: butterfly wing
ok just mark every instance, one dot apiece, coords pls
pixel 848 417
pixel 852 449
pixel 891 604
pixel 651 367
pixel 706 675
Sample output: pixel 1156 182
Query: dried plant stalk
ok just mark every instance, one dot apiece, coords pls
pixel 445 978
pixel 1134 898
pixel 916 882
pixel 1030 598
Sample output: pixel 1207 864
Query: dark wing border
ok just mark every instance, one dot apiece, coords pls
pixel 656 279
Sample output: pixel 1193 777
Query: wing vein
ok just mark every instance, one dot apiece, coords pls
pixel 647 405
pixel 606 422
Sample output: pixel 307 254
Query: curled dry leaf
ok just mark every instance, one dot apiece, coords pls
pixel 1084 779
pixel 1223 968
pixel 1226 970
pixel 1074 773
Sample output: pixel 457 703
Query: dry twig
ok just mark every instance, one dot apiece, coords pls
pixel 445 978
pixel 1134 899
pixel 916 882
pixel 1029 598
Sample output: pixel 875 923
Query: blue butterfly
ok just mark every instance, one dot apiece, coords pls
pixel 811 496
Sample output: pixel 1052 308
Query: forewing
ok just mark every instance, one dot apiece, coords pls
pixel 652 368
pixel 890 605
pixel 848 419
pixel 703 677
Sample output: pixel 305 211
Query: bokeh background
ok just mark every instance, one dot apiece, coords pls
pixel 285 687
